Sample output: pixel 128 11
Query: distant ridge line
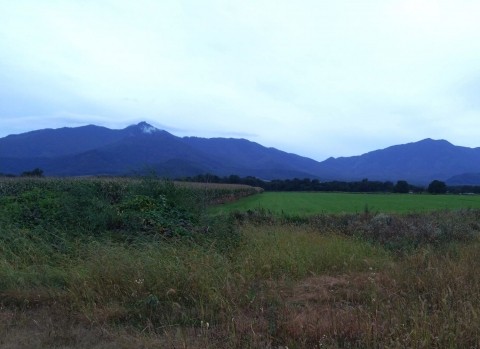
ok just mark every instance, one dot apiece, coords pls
pixel 91 150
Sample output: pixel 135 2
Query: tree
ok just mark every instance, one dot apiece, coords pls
pixel 234 179
pixel 437 187
pixel 37 172
pixel 401 187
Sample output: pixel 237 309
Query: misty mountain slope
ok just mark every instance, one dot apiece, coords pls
pixel 52 143
pixel 464 179
pixel 19 165
pixel 138 151
pixel 419 162
pixel 234 152
pixel 141 147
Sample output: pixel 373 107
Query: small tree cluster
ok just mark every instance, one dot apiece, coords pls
pixel 36 172
pixel 401 187
pixel 437 187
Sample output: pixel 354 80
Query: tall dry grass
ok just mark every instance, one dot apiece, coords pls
pixel 141 264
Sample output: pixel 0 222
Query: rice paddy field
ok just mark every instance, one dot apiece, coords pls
pixel 308 203
pixel 143 263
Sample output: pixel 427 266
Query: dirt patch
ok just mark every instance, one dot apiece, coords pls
pixel 318 289
pixel 324 308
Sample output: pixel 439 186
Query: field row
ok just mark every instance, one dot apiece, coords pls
pixel 300 203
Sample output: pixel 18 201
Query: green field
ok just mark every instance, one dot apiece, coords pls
pixel 296 203
pixel 103 263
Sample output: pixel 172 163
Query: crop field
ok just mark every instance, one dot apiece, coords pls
pixel 304 204
pixel 143 263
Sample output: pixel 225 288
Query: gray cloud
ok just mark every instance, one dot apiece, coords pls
pixel 315 78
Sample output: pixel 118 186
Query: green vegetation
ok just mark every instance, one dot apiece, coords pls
pixel 37 172
pixel 437 187
pixel 401 187
pixel 304 204
pixel 128 263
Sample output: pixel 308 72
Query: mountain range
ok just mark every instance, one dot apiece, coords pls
pixel 96 150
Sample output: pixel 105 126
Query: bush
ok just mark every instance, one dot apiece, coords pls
pixel 437 187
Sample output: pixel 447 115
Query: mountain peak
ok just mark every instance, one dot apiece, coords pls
pixel 434 141
pixel 146 127
pixel 142 128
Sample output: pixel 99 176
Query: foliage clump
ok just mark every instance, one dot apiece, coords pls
pixel 437 187
pixel 101 207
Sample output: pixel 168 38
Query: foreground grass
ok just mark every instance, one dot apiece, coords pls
pixel 283 286
pixel 305 204
pixel 165 286
pixel 132 265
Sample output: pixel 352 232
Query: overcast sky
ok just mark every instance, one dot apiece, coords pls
pixel 317 78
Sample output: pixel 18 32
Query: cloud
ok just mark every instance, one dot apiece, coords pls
pixel 316 78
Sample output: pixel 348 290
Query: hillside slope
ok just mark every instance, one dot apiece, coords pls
pixel 93 150
pixel 419 162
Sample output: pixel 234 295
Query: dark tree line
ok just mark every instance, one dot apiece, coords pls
pixel 464 189
pixel 365 185
pixel 307 184
pixel 36 172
